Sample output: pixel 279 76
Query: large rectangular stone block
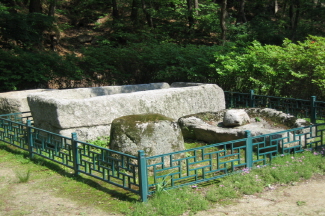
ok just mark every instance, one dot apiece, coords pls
pixel 16 101
pixel 90 111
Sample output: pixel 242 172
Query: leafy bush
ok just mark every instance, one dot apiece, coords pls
pixel 25 30
pixel 276 70
pixel 150 62
pixel 25 70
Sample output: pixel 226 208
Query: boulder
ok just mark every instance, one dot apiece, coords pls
pixel 235 117
pixel 154 133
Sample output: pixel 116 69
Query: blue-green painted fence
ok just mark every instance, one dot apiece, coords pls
pixel 111 166
pixel 313 109
pixel 141 174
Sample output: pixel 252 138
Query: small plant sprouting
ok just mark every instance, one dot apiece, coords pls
pixel 23 177
pixel 300 203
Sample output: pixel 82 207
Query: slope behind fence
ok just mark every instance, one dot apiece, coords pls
pixel 144 175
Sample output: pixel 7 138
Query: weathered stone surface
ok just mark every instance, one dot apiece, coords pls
pixel 185 84
pixel 235 117
pixel 209 127
pixel 88 108
pixel 154 133
pixel 16 101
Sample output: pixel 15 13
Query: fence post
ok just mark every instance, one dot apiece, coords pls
pixel 249 150
pixel 30 138
pixel 75 153
pixel 251 98
pixel 143 179
pixel 313 110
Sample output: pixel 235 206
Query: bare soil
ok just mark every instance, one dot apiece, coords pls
pixel 303 198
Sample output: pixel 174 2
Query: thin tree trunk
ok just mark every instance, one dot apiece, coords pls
pixel 52 8
pixel 241 18
pixel 134 12
pixel 196 6
pixel 148 16
pixel 190 13
pixel 115 12
pixel 295 20
pixel 276 7
pixel 54 34
pixel 223 21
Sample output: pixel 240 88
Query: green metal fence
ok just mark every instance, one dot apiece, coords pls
pixel 114 167
pixel 214 161
pixel 313 109
pixel 143 175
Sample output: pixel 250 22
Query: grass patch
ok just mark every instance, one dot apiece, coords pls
pixel 23 177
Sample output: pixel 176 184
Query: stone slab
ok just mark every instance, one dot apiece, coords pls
pixel 74 109
pixel 16 101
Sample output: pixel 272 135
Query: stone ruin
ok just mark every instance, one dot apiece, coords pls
pixel 228 125
pixel 90 111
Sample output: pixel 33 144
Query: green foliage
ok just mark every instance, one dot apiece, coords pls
pixel 25 70
pixel 101 141
pixel 276 70
pixel 25 29
pixel 149 62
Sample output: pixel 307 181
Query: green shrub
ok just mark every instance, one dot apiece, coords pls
pixel 276 70
pixel 22 69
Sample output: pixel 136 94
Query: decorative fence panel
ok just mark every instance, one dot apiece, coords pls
pixel 315 110
pixel 214 161
pixel 196 165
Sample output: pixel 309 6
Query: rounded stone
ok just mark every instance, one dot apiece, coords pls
pixel 235 117
pixel 154 133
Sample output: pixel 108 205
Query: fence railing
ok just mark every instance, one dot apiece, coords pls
pixel 114 167
pixel 315 110
pixel 143 175
pixel 214 161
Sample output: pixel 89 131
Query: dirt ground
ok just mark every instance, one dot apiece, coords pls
pixel 303 198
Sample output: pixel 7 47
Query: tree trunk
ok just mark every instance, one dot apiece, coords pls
pixel 223 21
pixel 115 12
pixel 295 20
pixel 148 16
pixel 52 8
pixel 241 18
pixel 190 13
pixel 134 12
pixel 35 6
pixel 196 6
pixel 276 7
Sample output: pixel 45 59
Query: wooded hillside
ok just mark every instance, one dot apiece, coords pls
pixel 273 46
